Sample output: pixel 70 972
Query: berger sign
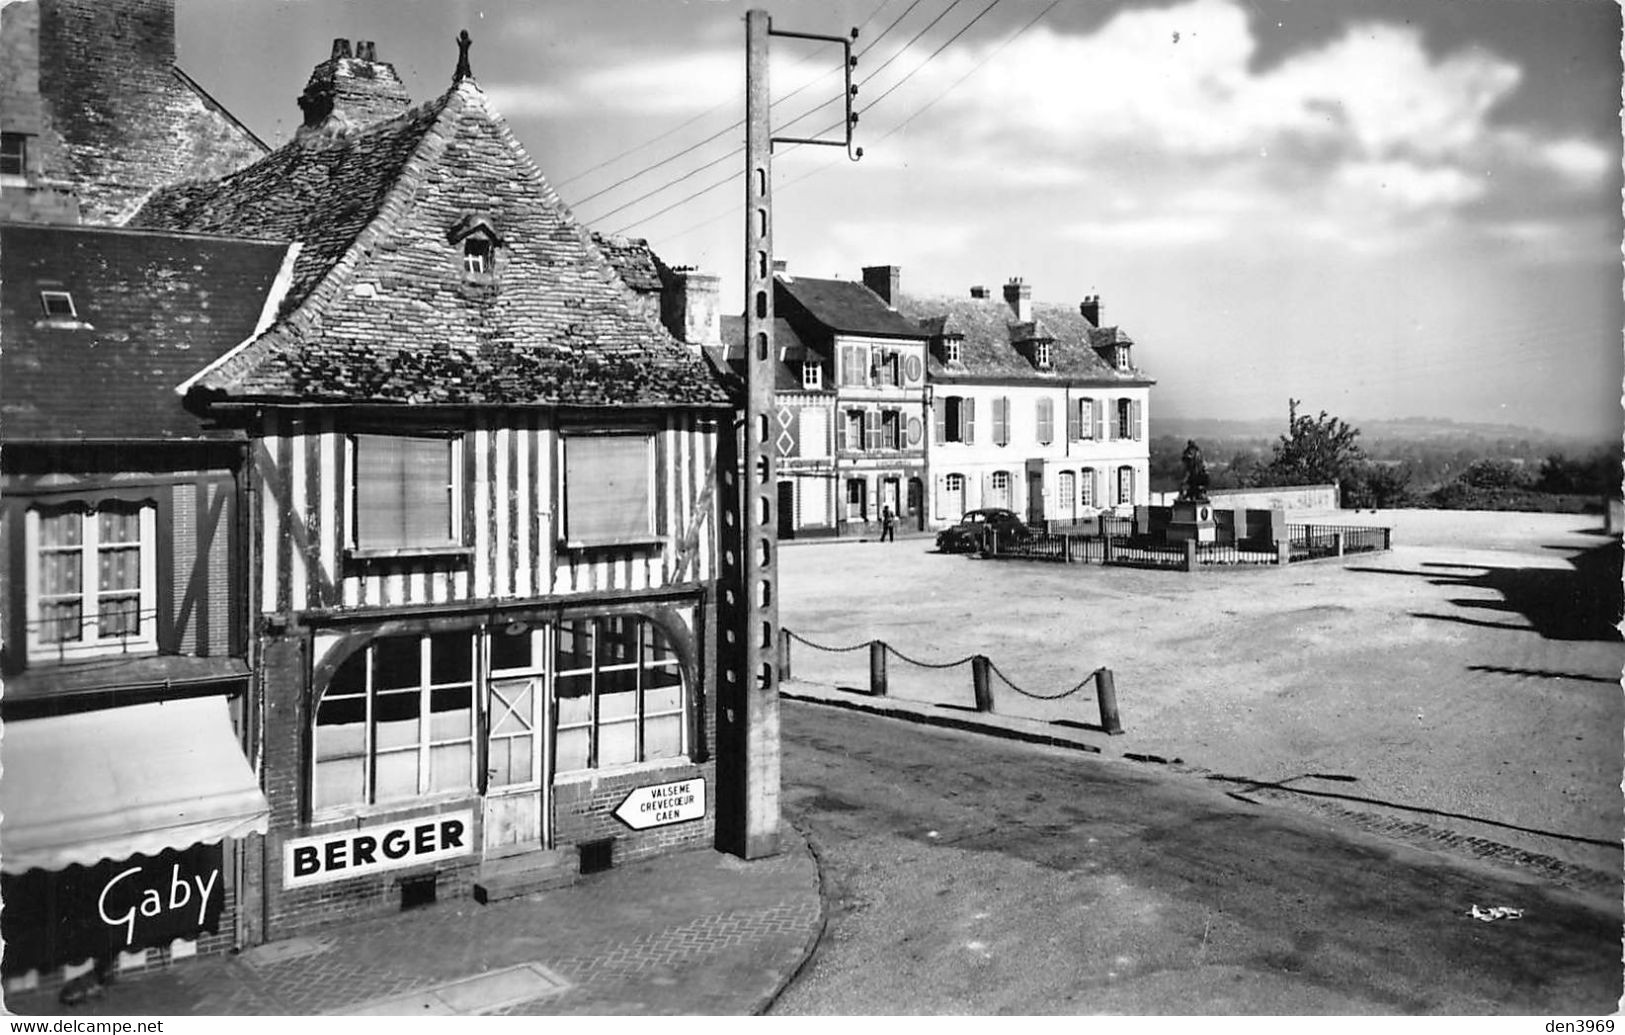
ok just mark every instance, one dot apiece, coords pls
pixel 368 850
pixel 663 803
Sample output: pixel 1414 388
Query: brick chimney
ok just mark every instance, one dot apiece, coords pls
pixel 978 291
pixel 1090 308
pixel 883 281
pixel 691 305
pixel 351 90
pixel 1019 295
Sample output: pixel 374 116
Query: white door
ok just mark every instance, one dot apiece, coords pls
pixel 515 745
pixel 953 497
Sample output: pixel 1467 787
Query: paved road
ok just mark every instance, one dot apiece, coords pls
pixel 972 875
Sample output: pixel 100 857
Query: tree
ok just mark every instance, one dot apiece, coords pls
pixel 1314 451
pixel 1378 486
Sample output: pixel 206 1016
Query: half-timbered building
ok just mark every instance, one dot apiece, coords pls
pixel 129 722
pixel 483 556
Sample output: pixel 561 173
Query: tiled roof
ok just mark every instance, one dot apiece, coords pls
pixel 840 306
pixel 633 259
pixel 990 341
pixel 153 309
pixel 791 349
pixel 380 309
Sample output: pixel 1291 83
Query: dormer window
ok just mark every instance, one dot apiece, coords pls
pixel 950 350
pixel 1122 358
pixel 812 375
pixel 1041 355
pixel 58 305
pixel 481 247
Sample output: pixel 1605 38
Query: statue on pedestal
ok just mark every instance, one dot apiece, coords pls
pixel 1194 485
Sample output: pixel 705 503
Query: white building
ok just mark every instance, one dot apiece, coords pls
pixel 1035 408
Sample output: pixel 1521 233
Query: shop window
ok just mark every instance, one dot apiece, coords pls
pixel 405 493
pixel 619 693
pixel 608 489
pixel 396 722
pixel 857 503
pixel 91 578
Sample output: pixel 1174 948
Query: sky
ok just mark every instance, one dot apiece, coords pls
pixel 1384 208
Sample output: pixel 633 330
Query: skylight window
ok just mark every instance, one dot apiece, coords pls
pixel 58 304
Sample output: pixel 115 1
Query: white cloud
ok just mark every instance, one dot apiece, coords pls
pixel 631 82
pixel 1411 186
pixel 1580 160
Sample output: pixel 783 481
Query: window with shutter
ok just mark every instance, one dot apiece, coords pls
pixel 90 582
pixel 1125 419
pixel 406 492
pixel 1046 421
pixel 1086 419
pixel 1097 410
pixel 1001 421
pixel 939 422
pixel 967 414
pixel 608 494
pixel 1074 423
pixel 871 429
pixel 1139 421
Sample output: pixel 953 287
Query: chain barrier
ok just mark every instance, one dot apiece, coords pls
pixel 966 660
pixel 820 646
pixel 1039 697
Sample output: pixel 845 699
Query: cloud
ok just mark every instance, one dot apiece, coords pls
pixel 1411 186
pixel 629 82
pixel 1580 160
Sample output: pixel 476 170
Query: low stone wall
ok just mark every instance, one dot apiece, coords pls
pixel 1283 497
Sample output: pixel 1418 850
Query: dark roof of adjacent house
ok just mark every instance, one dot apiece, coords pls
pixel 991 340
pixel 151 310
pixel 840 307
pixel 790 347
pixel 379 309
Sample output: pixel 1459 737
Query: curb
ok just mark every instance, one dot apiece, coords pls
pixel 814 939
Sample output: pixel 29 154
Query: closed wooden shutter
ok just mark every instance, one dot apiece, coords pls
pixel 871 429
pixel 1097 408
pixel 404 492
pixel 1139 430
pixel 1001 420
pixel 606 488
pixel 967 420
pixel 1074 426
pixel 1046 421
pixel 840 430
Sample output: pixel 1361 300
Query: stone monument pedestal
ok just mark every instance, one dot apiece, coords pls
pixel 1192 522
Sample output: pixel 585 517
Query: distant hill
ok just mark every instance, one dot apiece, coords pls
pixel 1374 434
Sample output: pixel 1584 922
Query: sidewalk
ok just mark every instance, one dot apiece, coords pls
pixel 694 933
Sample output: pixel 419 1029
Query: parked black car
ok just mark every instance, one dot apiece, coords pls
pixel 976 525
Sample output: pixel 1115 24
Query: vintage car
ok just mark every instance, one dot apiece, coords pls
pixel 976 525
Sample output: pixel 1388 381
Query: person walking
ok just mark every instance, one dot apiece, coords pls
pixel 888 525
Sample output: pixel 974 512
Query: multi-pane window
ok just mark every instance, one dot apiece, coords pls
pixel 618 684
pixel 888 368
pixel 951 350
pixel 1086 487
pixel 999 486
pixel 891 429
pixel 91 579
pixel 812 375
pixel 397 721
pixel 1125 418
pixel 1041 354
pixel 1066 493
pixel 608 488
pixel 956 419
pixel 406 492
pixel 13 154
pixel 1086 419
pixel 1125 484
pixel 854 429
pixel 58 304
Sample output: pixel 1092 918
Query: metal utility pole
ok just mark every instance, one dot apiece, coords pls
pixel 748 608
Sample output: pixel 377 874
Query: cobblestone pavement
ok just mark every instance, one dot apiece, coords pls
pixel 693 933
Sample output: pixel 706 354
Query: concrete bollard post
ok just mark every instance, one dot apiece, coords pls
pixel 877 668
pixel 1106 693
pixel 784 654
pixel 1283 552
pixel 1387 539
pixel 981 682
pixel 1337 542
pixel 1190 555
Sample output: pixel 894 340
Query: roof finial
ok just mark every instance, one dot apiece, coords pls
pixel 464 41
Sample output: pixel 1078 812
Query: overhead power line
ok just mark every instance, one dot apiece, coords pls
pixel 827 129
pixel 689 122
